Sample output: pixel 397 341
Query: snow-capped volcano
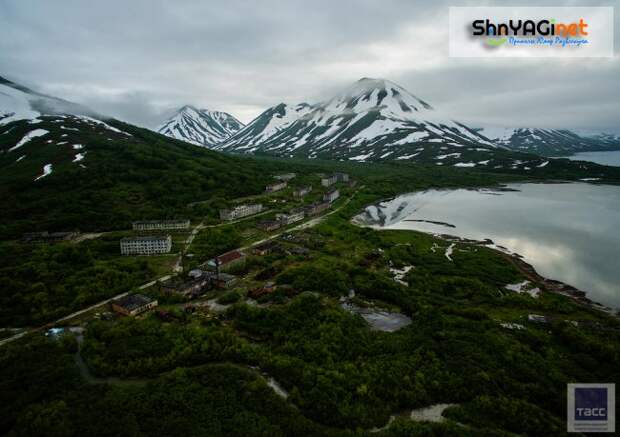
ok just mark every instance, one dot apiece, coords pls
pixel 374 119
pixel 200 126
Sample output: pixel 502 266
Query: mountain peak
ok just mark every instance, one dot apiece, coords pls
pixel 202 127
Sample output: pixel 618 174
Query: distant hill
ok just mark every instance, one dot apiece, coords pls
pixel 552 142
pixel 64 167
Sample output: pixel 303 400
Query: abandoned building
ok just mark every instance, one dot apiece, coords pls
pixel 341 177
pixel 133 304
pixel 316 208
pixel 221 280
pixel 331 196
pixel 156 225
pixel 268 225
pixel 240 211
pixel 302 191
pixel 148 245
pixel 226 261
pixel 277 186
pixel 192 287
pixel 328 181
pixel 293 216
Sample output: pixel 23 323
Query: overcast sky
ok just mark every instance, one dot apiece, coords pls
pixel 138 60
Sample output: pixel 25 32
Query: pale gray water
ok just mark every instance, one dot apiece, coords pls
pixel 604 158
pixel 378 319
pixel 568 232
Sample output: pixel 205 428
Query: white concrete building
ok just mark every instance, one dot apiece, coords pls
pixel 156 225
pixel 151 245
pixel 331 196
pixel 329 180
pixel 240 211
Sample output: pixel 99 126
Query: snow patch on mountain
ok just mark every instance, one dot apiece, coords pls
pixel 47 170
pixel 29 136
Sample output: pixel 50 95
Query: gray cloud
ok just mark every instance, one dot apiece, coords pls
pixel 138 60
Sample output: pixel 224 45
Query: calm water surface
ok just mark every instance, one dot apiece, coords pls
pixel 604 158
pixel 568 232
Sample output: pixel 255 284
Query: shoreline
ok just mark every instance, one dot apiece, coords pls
pixel 549 285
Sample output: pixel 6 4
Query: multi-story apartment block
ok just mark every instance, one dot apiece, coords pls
pixel 157 225
pixel 292 217
pixel 240 211
pixel 151 245
pixel 316 208
pixel 277 186
pixel 331 196
pixel 328 181
pixel 269 225
pixel 342 177
pixel 302 191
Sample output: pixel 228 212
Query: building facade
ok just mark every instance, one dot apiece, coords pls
pixel 342 177
pixel 328 181
pixel 331 196
pixel 292 217
pixel 277 186
pixel 151 245
pixel 269 225
pixel 156 225
pixel 302 191
pixel 133 305
pixel 316 208
pixel 240 211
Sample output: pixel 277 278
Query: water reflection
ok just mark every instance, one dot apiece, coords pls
pixel 568 232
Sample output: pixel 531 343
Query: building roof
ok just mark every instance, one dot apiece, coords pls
pixel 133 302
pixel 231 256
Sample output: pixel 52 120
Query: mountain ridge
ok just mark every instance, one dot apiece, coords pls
pixel 378 120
